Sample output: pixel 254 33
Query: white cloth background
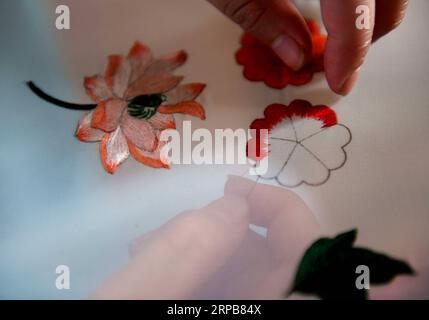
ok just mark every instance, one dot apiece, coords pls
pixel 58 206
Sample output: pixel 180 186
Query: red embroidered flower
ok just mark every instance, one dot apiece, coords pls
pixel 262 64
pixel 274 114
pixel 303 143
pixel 136 98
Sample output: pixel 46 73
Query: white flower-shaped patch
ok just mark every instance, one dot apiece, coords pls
pixel 305 143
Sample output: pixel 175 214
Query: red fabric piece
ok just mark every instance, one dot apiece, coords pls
pixel 262 64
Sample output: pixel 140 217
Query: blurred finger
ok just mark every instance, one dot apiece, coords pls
pixel 276 22
pixel 389 15
pixel 291 226
pixel 137 245
pixel 241 277
pixel 183 254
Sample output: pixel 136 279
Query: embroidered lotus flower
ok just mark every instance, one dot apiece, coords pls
pixel 262 64
pixel 305 143
pixel 136 99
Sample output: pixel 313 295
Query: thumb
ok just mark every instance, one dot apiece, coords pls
pixel 275 22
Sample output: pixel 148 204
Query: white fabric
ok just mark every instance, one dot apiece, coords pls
pixel 58 205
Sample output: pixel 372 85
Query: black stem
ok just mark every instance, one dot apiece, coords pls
pixel 63 104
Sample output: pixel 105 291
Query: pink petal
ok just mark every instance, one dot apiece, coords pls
pixel 192 108
pixel 140 57
pixel 162 121
pixel 186 92
pixel 118 74
pixel 85 132
pixel 107 114
pixel 113 150
pixel 167 63
pixel 139 132
pixel 156 83
pixel 96 88
pixel 152 159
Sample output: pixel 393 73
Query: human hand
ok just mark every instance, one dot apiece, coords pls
pixel 280 24
pixel 212 253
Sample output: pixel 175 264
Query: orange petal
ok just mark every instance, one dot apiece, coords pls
pixel 107 114
pixel 113 150
pixel 140 57
pixel 192 108
pixel 139 132
pixel 167 63
pixel 186 92
pixel 156 83
pixel 118 74
pixel 313 26
pixel 85 132
pixel 151 159
pixel 96 88
pixel 319 45
pixel 162 121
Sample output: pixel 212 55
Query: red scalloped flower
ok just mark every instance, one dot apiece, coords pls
pixel 136 98
pixel 303 143
pixel 275 113
pixel 262 64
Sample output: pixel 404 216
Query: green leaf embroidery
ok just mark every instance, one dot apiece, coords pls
pixel 328 268
pixel 145 106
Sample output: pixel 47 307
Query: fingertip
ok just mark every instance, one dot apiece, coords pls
pixel 349 84
pixel 238 186
pixel 347 44
pixel 343 87
pixel 343 61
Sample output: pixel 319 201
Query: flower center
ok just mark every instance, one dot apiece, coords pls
pixel 145 106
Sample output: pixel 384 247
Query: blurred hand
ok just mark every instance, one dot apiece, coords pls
pixel 212 253
pixel 279 24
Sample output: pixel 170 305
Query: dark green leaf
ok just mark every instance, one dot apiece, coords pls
pixel 383 268
pixel 319 258
pixel 145 106
pixel 328 268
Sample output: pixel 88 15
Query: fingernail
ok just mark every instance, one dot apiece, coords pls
pixel 289 51
pixel 349 83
